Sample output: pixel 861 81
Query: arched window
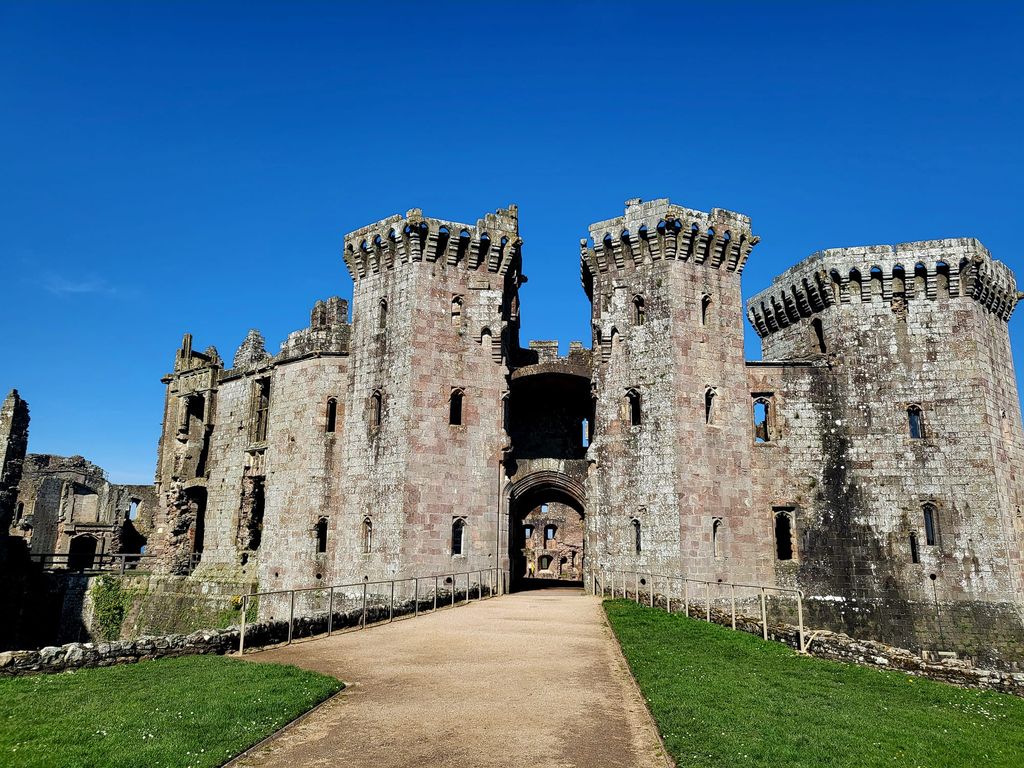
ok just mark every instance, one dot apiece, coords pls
pixel 762 420
pixel 638 310
pixel 915 556
pixel 915 420
pixel 458 533
pixel 705 309
pixel 382 314
pixel 783 535
pixel 633 402
pixel 455 406
pixel 709 405
pixel 716 537
pixel 855 287
pixel 615 339
pixel 376 409
pixel 637 541
pixel 875 276
pixel 367 535
pixel 544 563
pixel 920 280
pixel 456 311
pixel 332 414
pixel 819 335
pixel 931 530
pixel 133 509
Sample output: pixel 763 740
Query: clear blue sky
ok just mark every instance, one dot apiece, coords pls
pixel 172 167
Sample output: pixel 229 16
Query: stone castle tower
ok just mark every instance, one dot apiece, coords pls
pixel 869 459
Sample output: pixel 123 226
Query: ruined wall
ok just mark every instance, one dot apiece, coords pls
pixel 554 555
pixel 14 420
pixel 667 316
pixel 894 336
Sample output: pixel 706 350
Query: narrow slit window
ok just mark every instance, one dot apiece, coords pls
pixel 783 535
pixel 376 409
pixel 367 535
pixel 915 556
pixel 705 309
pixel 709 405
pixel 716 537
pixel 332 415
pixel 262 409
pixel 639 315
pixel 931 533
pixel 382 314
pixel 915 419
pixel 455 407
pixel 819 335
pixel 637 537
pixel 321 535
pixel 585 429
pixel 457 311
pixel 635 411
pixel 458 534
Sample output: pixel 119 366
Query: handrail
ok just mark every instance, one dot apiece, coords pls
pixel 707 584
pixel 495 587
pixel 98 561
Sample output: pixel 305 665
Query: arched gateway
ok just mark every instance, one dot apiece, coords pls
pixel 547 532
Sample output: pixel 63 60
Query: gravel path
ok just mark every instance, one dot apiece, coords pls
pixel 531 679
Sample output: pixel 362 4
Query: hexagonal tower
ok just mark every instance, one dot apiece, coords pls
pixel 435 310
pixel 670 484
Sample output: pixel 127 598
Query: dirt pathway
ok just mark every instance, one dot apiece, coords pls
pixel 532 679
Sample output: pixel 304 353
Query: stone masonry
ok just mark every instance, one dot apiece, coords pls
pixel 871 459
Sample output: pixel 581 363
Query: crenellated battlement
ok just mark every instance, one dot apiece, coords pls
pixel 493 243
pixel 658 230
pixel 926 270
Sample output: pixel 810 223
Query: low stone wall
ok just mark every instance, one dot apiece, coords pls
pixel 839 647
pixel 216 641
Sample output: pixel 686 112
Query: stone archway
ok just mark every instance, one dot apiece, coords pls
pixel 547 537
pixel 82 553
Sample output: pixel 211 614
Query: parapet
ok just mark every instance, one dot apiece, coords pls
pixel 542 357
pixel 493 243
pixel 658 230
pixel 959 267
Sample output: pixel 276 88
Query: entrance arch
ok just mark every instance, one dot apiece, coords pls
pixel 547 535
pixel 82 553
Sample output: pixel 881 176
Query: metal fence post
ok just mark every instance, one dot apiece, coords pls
pixel 391 606
pixel 732 588
pixel 636 588
pixel 241 635
pixel 330 613
pixel 123 558
pixel 764 616
pixel 416 596
pixel 363 621
pixel 800 618
pixel 651 586
pixel 686 596
pixel 707 599
pixel 291 615
pixel 435 593
pixel 455 583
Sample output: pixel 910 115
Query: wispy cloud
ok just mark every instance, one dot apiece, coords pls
pixel 61 285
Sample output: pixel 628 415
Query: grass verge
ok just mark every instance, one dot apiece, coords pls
pixel 724 698
pixel 189 711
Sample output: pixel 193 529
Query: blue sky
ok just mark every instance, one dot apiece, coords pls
pixel 193 166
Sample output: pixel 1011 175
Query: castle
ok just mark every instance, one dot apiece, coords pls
pixel 870 459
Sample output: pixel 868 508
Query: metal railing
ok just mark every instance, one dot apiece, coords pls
pixel 614 581
pixel 370 602
pixel 89 563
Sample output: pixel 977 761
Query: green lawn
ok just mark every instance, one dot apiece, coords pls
pixel 188 711
pixel 724 698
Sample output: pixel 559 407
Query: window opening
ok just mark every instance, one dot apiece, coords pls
pixel 367 535
pixel 458 531
pixel 637 541
pixel 528 531
pixel 931 537
pixel 915 417
pixel 549 532
pixel 639 315
pixel 321 535
pixel 457 311
pixel 585 437
pixel 819 335
pixel 382 314
pixel 262 396
pixel 915 556
pixel 332 414
pixel 762 419
pixel 544 563
pixel 635 413
pixel 716 537
pixel 376 409
pixel 783 535
pixel 705 309
pixel 709 405
pixel 133 509
pixel 455 407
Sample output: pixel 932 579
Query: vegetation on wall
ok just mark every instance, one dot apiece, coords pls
pixel 111 601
